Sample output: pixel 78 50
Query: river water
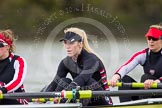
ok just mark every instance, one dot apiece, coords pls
pixel 43 59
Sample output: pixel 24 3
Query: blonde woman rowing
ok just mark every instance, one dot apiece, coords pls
pixel 85 67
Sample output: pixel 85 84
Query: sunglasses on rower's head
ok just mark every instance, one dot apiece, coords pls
pixel 152 38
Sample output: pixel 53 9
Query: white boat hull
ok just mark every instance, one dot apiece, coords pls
pixel 76 105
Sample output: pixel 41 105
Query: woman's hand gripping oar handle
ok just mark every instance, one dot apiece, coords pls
pixel 137 85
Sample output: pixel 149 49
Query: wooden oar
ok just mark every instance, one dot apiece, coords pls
pixel 82 94
pixel 137 85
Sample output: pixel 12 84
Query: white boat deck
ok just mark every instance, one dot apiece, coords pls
pixel 76 105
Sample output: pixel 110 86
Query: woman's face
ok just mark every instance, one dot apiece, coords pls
pixel 154 44
pixel 4 52
pixel 73 48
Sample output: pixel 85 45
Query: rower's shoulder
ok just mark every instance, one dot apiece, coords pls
pixel 143 51
pixel 16 57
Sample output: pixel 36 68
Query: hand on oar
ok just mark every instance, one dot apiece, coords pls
pixel 148 83
pixel 114 80
pixel 151 84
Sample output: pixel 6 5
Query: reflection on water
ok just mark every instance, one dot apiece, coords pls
pixel 42 66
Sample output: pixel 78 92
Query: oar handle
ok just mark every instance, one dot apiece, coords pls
pixel 137 85
pixel 41 99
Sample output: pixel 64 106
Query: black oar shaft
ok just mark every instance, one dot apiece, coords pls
pixel 83 94
pixel 159 85
pixel 151 92
pixel 31 95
